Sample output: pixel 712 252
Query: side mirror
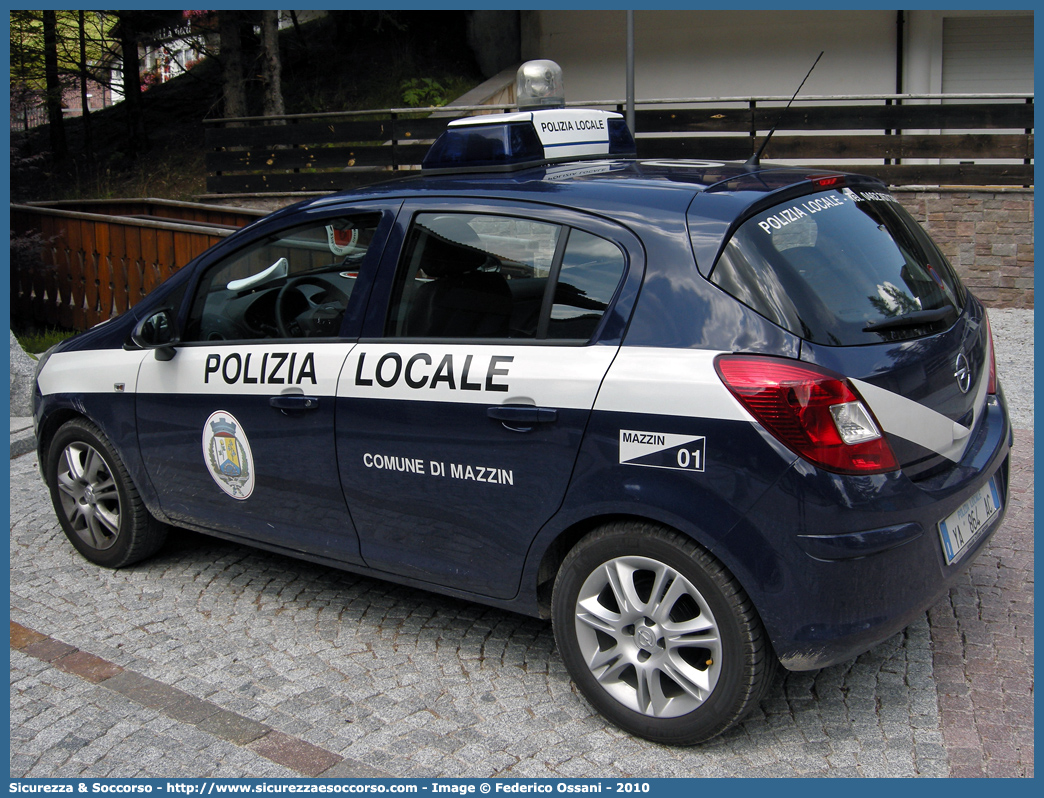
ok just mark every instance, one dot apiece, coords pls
pixel 158 332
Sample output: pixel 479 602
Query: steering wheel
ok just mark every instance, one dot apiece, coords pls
pixel 315 315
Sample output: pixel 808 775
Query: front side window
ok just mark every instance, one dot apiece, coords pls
pixel 291 284
pixel 489 276
pixel 841 268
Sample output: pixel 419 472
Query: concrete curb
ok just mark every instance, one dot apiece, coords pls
pixel 23 437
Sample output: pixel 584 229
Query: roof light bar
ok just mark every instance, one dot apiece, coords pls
pixel 530 138
pixel 543 131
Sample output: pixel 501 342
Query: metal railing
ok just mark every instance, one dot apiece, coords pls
pixel 902 138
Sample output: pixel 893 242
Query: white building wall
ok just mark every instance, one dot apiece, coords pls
pixel 744 53
pixel 717 53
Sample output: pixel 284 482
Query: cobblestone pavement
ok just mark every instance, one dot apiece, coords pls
pixel 217 660
pixel 983 644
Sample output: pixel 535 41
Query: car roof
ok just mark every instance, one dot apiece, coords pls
pixel 608 186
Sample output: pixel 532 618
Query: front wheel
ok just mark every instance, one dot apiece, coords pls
pixel 96 502
pixel 658 636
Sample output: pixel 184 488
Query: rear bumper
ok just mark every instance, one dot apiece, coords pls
pixel 865 557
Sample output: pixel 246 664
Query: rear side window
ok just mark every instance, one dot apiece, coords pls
pixel 591 271
pixel 489 276
pixel 841 268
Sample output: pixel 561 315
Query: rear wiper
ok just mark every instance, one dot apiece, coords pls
pixel 913 319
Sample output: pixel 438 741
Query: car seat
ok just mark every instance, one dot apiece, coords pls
pixel 465 299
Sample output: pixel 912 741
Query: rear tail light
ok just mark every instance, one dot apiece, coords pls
pixel 814 412
pixel 991 386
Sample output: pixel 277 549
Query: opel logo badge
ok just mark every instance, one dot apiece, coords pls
pixel 646 639
pixel 962 371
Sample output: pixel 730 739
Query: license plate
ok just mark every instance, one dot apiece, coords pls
pixel 959 528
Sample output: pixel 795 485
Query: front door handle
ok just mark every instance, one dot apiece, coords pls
pixel 521 418
pixel 294 401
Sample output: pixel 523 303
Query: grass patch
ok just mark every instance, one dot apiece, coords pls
pixel 169 173
pixel 38 341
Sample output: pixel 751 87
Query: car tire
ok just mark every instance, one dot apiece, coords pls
pixel 100 510
pixel 658 636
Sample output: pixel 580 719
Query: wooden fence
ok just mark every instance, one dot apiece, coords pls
pixel 877 135
pixel 96 264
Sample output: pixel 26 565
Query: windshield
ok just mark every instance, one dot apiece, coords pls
pixel 841 268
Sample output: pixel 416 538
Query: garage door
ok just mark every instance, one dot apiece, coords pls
pixel 988 54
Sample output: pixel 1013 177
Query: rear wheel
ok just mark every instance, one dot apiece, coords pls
pixel 658 636
pixel 97 504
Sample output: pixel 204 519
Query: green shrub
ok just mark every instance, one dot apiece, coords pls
pixel 423 92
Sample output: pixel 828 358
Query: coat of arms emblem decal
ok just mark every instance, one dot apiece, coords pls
pixel 341 242
pixel 227 451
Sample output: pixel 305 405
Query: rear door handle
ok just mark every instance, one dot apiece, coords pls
pixel 294 402
pixel 521 418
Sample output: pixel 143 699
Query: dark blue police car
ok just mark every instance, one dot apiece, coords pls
pixel 708 417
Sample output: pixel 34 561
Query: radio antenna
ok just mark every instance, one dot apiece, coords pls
pixel 755 159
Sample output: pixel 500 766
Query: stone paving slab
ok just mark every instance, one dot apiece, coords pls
pixel 384 679
pixel 92 668
pixel 301 757
pixel 305 758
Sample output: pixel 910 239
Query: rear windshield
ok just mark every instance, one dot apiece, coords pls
pixel 841 268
